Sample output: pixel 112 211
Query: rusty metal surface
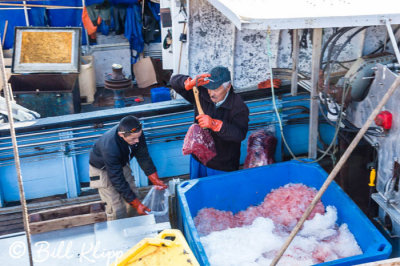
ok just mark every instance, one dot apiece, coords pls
pixel 117 84
pixel 47 94
pixel 117 80
pixel 43 83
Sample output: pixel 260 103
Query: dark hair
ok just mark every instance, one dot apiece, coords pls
pixel 129 124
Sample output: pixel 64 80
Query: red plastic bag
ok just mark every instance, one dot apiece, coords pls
pixel 260 148
pixel 200 143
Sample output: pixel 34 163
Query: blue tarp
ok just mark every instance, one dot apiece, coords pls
pixel 133 28
pixel 38 17
pixel 73 18
pixel 15 18
pixel 56 17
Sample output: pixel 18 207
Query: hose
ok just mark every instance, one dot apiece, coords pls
pixel 269 54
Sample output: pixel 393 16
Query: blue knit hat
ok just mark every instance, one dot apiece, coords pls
pixel 219 75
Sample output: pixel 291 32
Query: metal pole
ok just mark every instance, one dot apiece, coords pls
pixel 4 33
pixel 233 53
pixel 295 59
pixel 21 6
pixel 393 40
pixel 26 14
pixel 313 128
pixel 337 168
pixel 16 158
pixel 86 34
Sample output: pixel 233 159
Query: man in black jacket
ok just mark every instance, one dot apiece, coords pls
pixel 225 114
pixel 110 172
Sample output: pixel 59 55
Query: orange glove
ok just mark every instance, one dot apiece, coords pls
pixel 205 121
pixel 156 181
pixel 190 83
pixel 140 208
pixel 267 84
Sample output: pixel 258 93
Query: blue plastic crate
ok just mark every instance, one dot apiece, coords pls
pixel 237 190
pixel 160 94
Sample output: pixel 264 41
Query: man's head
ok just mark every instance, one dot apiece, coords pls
pixel 220 83
pixel 130 129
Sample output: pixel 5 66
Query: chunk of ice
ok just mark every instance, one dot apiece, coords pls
pixel 254 236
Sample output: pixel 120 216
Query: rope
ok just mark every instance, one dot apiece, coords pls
pixel 16 156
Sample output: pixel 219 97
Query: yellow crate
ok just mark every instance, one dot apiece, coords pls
pixel 159 251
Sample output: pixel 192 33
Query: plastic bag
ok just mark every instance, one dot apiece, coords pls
pixel 260 148
pixel 157 201
pixel 200 143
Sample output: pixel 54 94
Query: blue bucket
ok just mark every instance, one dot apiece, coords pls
pixel 160 94
pixel 238 190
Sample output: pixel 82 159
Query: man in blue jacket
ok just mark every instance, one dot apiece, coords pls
pixel 110 172
pixel 226 116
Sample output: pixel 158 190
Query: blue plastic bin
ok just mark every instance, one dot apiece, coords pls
pixel 160 94
pixel 237 190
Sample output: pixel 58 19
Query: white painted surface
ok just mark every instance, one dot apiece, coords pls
pixel 261 14
pixel 178 46
pixel 211 44
pixel 167 54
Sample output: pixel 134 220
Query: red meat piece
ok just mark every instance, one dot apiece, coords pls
pixel 200 143
pixel 260 149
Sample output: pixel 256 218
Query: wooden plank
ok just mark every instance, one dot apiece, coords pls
pixel 295 60
pixel 50 204
pixel 9 217
pixel 56 213
pixel 66 217
pixel 67 222
pixel 316 55
pixel 4 224
pixel 18 230
pixel 10 226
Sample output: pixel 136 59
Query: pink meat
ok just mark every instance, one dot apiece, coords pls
pixel 286 205
pixel 323 253
pixel 200 143
pixel 209 220
pixel 248 216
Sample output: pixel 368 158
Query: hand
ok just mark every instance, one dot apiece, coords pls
pixel 190 83
pixel 140 208
pixel 156 181
pixel 267 84
pixel 205 121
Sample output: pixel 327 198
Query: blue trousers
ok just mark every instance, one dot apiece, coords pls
pixel 198 170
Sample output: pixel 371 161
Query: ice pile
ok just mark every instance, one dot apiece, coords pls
pixel 253 236
pixel 284 206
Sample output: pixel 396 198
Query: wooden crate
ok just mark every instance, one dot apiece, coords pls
pixel 66 217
